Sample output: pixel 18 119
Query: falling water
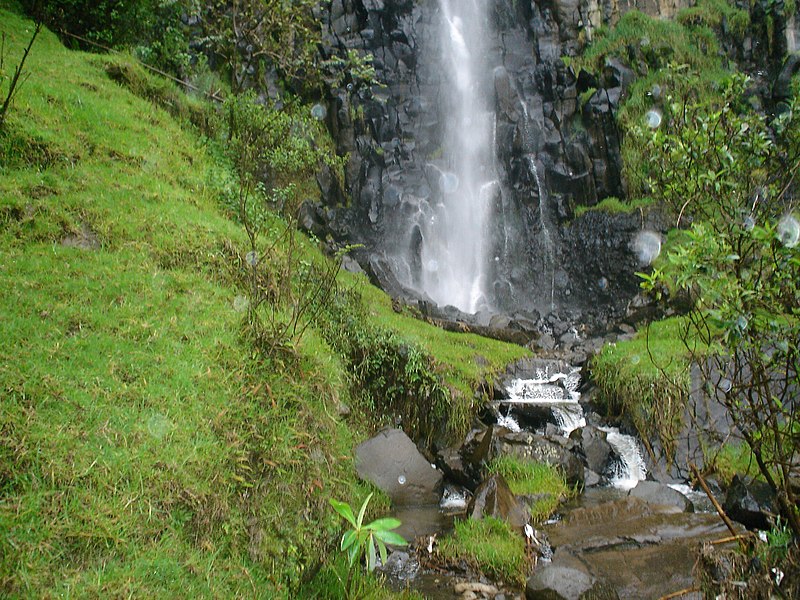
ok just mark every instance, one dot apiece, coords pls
pixel 630 469
pixel 555 385
pixel 454 248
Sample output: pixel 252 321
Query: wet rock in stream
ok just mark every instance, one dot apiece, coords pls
pixel 392 462
pixel 639 549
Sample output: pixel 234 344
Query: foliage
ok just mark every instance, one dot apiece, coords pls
pixel 284 289
pixel 365 541
pixel 543 484
pixel 717 166
pixel 490 545
pixel 252 36
pixel 646 44
pixel 716 14
pixel 394 377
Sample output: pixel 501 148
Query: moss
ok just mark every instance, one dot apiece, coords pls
pixel 614 205
pixel 544 484
pixel 714 14
pixel 490 545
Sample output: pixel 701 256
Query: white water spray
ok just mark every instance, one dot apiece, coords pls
pixel 454 255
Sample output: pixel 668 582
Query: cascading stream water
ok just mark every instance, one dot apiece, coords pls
pixel 454 244
pixel 555 387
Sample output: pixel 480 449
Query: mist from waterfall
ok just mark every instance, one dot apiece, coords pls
pixel 454 245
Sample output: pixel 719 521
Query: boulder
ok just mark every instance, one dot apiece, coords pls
pixel 564 579
pixel 661 494
pixel 494 498
pixel 596 450
pixel 751 503
pixel 392 462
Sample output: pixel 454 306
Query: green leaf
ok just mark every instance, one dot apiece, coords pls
pixel 348 539
pixel 390 537
pixel 343 508
pixel 383 524
pixel 372 559
pixel 362 511
pixel 382 550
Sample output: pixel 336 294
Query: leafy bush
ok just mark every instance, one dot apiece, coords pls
pixel 394 377
pixel 717 166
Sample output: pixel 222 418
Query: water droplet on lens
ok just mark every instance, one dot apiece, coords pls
pixel 741 323
pixel 655 91
pixel 645 41
pixel 749 223
pixel 653 118
pixel 349 87
pixel 432 265
pixel 401 480
pixel 647 246
pixel 318 112
pixel 602 283
pixel 251 258
pixel 789 231
pixel 635 360
pixel 240 303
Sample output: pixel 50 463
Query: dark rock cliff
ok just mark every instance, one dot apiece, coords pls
pixel 552 154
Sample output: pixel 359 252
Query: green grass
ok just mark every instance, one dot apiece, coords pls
pixel 145 448
pixel 542 482
pixel 647 379
pixel 614 205
pixel 490 545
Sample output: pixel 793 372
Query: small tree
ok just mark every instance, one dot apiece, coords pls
pixel 730 179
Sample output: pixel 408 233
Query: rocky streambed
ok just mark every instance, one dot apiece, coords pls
pixel 620 536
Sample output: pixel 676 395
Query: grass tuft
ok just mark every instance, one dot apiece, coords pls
pixel 490 545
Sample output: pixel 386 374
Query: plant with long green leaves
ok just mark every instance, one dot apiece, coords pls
pixel 362 540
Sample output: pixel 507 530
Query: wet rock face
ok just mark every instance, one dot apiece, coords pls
pixel 551 154
pixel 392 462
pixel 494 498
pixel 751 503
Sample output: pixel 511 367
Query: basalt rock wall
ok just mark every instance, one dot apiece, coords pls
pixel 552 154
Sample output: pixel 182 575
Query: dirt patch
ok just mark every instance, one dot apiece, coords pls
pixel 85 239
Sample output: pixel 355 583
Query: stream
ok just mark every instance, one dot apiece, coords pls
pixel 633 543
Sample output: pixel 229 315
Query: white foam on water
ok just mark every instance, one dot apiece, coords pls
pixel 631 468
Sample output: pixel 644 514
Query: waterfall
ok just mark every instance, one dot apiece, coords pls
pixel 454 239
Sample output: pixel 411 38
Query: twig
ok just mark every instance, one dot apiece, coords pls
pixel 733 538
pixel 211 95
pixel 680 593
pixel 716 504
pixel 12 88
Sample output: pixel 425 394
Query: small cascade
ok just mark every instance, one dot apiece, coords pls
pixel 630 469
pixel 553 392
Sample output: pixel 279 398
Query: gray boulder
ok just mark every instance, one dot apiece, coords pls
pixel 661 494
pixel 392 462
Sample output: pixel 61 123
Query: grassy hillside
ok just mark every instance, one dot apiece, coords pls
pixel 145 448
